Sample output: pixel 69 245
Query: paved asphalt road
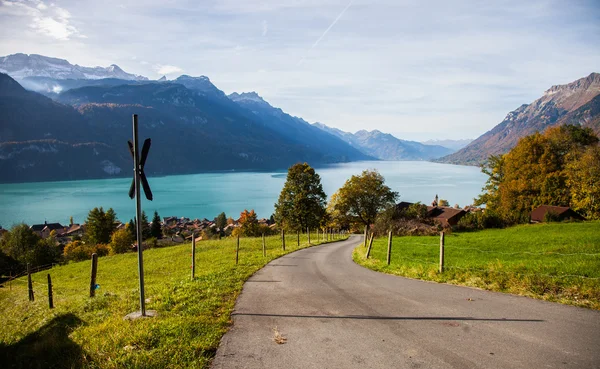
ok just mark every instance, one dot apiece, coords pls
pixel 336 314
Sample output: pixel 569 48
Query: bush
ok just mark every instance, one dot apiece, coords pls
pixel 411 221
pixel 479 220
pixel 121 242
pixel 78 251
pixel 102 249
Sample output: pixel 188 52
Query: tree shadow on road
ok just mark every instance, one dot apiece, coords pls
pixel 369 317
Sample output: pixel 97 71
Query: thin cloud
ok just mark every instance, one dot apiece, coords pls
pixel 166 69
pixel 49 20
pixel 327 30
pixel 265 28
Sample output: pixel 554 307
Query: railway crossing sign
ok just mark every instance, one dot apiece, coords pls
pixel 140 169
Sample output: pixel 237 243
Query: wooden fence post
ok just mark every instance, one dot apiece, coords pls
pixel 389 252
pixel 237 250
pixel 365 236
pixel 298 237
pixel 283 239
pixel 308 233
pixel 264 246
pixel 29 283
pixel 193 256
pixel 441 252
pixel 370 245
pixel 50 302
pixel 93 275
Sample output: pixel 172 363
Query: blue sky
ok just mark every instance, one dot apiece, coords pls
pixel 416 69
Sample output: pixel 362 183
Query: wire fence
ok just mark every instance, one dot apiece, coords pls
pixel 421 253
pixel 249 245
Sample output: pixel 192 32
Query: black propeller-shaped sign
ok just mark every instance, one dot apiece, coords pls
pixel 142 175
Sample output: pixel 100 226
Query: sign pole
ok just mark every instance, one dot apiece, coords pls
pixel 139 178
pixel 138 211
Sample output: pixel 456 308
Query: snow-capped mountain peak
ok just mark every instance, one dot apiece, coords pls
pixel 247 96
pixel 20 66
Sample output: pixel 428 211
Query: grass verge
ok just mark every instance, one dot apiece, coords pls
pixel 84 332
pixel 555 262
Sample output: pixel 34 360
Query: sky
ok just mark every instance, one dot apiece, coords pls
pixel 417 69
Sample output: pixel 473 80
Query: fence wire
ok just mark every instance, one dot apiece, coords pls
pixel 449 248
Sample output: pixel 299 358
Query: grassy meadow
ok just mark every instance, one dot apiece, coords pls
pixel 84 332
pixel 556 262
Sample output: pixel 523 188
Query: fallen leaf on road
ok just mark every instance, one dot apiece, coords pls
pixel 277 337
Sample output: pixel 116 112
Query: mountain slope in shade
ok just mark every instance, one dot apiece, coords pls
pixel 573 103
pixel 20 66
pixel 384 146
pixel 193 130
pixel 48 160
pixel 26 115
pixel 297 129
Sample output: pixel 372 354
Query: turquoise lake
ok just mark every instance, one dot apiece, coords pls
pixel 206 195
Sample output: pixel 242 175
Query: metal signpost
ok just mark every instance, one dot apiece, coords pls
pixel 134 191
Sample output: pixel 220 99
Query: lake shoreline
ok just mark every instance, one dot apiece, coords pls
pixel 205 195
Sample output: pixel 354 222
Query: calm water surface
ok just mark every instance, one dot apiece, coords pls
pixel 206 195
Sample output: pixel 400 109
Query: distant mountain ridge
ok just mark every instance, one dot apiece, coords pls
pixel 573 103
pixel 83 132
pixel 454 145
pixel 20 66
pixel 297 129
pixel 384 146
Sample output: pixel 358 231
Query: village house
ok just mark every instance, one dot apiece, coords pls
pixel 43 230
pixel 560 212
pixel 444 215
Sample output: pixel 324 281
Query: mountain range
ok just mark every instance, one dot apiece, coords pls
pixel 63 122
pixel 384 146
pixel 576 103
pixel 20 66
pixel 77 126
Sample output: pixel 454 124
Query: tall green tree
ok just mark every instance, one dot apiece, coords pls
pixel 221 221
pixel 22 244
pixel 155 228
pixel 100 225
pixel 302 200
pixel 19 243
pixel 131 228
pixel 146 233
pixel 362 197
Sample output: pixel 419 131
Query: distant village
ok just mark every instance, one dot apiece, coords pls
pixel 182 229
pixel 175 229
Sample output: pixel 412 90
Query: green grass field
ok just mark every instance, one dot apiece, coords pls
pixel 91 332
pixel 556 262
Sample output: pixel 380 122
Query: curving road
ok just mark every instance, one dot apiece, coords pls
pixel 336 314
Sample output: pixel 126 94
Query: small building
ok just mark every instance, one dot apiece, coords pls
pixel 43 230
pixel 446 216
pixel 560 213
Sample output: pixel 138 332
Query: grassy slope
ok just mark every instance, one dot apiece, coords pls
pixel 91 332
pixel 530 260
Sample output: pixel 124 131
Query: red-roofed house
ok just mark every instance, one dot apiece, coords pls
pixel 561 213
